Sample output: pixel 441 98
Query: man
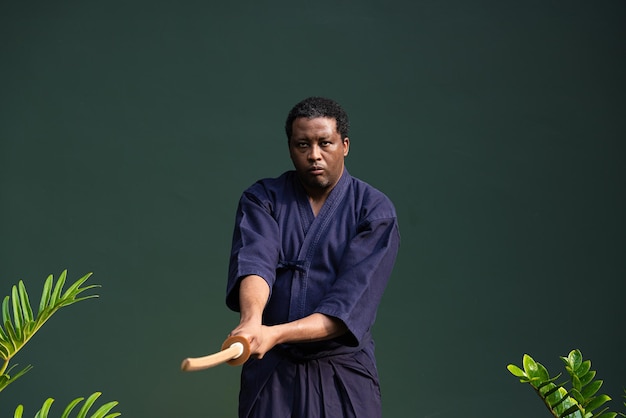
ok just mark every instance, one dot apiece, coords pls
pixel 312 253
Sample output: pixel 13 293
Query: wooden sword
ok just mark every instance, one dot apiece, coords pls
pixel 235 351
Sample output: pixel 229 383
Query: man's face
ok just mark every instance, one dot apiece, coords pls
pixel 317 152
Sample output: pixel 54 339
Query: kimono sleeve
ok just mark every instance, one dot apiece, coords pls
pixel 365 270
pixel 256 244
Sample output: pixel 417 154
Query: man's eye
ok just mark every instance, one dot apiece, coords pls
pixel 302 144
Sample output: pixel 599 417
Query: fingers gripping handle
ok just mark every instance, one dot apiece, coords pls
pixel 235 351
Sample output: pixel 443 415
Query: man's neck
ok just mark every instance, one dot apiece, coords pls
pixel 317 203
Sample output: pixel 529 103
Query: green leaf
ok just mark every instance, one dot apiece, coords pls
pixel 516 371
pixel 574 393
pixel 27 311
pixel 584 368
pixel 575 359
pixel 17 313
pixel 45 294
pixel 588 377
pixel 542 372
pixel 104 409
pixel 73 290
pixel 18 411
pixel 88 403
pixel 43 412
pixel 6 316
pixel 70 407
pixel 73 301
pixel 12 335
pixel 56 293
pixel 530 365
pixel 591 389
pixel 576 383
pixel 597 402
pixel 535 371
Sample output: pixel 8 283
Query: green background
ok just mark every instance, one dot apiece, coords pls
pixel 128 130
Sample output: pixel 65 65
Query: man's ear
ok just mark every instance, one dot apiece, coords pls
pixel 346 146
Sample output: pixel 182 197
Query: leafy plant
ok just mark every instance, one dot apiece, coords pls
pixel 580 401
pixel 19 325
pixel 82 413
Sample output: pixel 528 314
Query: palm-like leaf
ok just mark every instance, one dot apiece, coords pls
pixel 84 412
pixel 19 323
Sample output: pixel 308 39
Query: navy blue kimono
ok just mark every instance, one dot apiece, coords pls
pixel 337 264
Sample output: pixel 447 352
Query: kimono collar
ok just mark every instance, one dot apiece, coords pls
pixel 335 195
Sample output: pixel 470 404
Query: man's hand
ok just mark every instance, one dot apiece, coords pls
pixel 261 337
pixel 253 296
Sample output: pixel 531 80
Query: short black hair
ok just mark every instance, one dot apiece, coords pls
pixel 318 107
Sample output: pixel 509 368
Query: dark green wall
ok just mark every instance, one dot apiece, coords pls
pixel 129 129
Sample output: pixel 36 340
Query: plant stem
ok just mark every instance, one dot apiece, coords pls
pixel 545 401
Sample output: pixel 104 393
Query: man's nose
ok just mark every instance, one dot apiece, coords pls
pixel 315 153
